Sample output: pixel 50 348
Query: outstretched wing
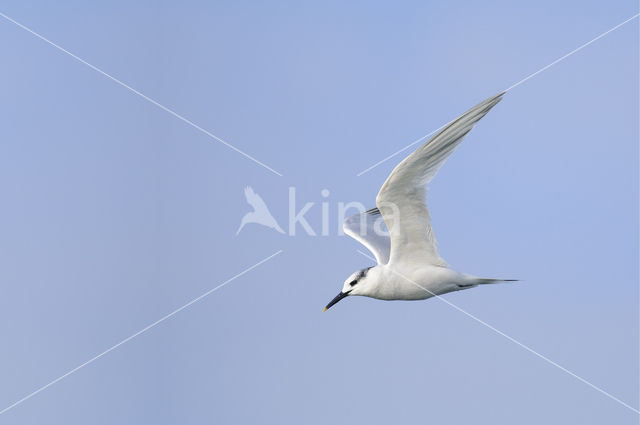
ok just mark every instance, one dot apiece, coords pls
pixel 254 199
pixel 369 229
pixel 402 198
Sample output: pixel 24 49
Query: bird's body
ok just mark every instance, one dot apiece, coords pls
pixel 414 282
pixel 409 266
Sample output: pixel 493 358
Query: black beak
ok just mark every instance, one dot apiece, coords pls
pixel 338 297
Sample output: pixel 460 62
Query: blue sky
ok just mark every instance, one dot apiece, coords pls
pixel 116 213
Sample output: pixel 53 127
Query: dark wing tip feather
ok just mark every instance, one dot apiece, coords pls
pixel 373 211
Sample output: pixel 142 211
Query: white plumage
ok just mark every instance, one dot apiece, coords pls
pixel 409 266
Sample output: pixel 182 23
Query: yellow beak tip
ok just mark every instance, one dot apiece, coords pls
pixel 325 309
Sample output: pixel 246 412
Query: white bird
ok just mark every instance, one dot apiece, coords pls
pixel 260 213
pixel 409 266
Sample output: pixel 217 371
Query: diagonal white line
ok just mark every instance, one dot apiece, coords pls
pixel 366 170
pixel 560 59
pixel 515 341
pixel 147 98
pixel 141 331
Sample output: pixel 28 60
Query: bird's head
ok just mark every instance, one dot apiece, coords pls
pixel 356 284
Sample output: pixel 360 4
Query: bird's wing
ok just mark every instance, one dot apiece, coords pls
pixel 369 229
pixel 402 198
pixel 254 199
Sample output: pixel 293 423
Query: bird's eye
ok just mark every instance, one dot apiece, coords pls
pixel 353 282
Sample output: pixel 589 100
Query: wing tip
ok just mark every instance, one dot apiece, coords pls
pixel 493 100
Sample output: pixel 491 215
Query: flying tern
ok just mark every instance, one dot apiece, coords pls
pixel 409 266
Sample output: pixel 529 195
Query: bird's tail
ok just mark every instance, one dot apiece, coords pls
pixel 484 281
pixel 471 281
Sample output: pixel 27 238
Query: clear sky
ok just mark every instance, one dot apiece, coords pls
pixel 115 213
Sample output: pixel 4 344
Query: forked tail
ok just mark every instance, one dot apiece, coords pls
pixel 483 281
pixel 471 281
